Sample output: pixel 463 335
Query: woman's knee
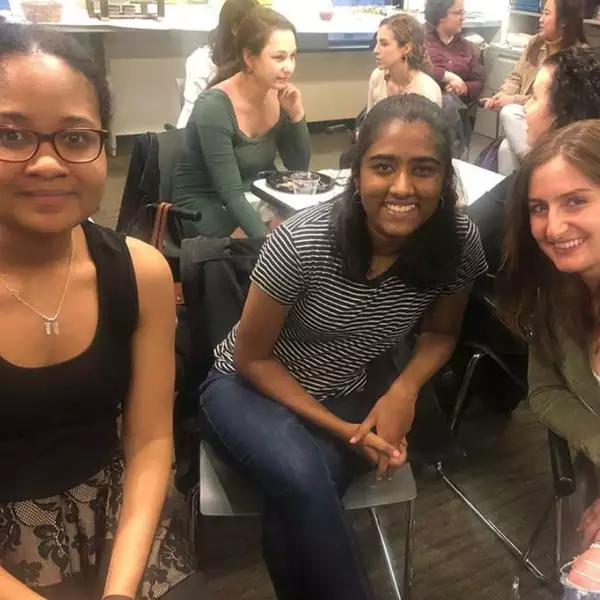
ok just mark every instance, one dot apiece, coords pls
pixel 511 114
pixel 270 442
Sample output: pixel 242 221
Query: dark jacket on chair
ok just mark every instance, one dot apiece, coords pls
pixel 215 276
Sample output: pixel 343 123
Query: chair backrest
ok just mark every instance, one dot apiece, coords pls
pixel 170 148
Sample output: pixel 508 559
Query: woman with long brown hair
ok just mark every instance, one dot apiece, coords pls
pixel 551 286
pixel 561 26
pixel 201 66
pixel 403 65
pixel 250 114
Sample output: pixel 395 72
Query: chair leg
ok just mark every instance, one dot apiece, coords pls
pixel 514 550
pixel 408 550
pixel 558 541
pixel 386 553
pixel 193 506
pixel 461 397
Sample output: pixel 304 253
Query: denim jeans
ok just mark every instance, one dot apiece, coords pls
pixel 301 473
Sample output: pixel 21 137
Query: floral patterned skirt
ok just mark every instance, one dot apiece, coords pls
pixel 60 546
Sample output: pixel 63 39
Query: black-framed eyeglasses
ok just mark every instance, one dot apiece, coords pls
pixel 77 145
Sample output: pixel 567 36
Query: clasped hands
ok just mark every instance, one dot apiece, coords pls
pixel 382 435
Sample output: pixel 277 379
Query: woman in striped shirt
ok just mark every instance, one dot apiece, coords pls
pixel 335 287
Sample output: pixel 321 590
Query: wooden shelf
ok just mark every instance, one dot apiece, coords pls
pixel 526 13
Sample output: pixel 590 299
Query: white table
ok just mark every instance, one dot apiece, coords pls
pixel 475 182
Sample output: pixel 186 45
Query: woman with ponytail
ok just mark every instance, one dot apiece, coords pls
pixel 201 66
pixel 250 113
pixel 403 65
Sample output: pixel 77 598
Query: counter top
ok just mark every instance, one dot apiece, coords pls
pixel 204 19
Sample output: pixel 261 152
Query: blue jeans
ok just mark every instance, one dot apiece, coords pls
pixel 301 473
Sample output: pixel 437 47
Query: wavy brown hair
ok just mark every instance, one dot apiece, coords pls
pixel 253 35
pixel 534 295
pixel 407 30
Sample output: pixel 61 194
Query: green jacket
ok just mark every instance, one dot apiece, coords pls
pixel 566 397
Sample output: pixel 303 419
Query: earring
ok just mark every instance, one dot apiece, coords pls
pixel 356 197
pixel 442 202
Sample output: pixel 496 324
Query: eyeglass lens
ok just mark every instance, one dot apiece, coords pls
pixel 74 145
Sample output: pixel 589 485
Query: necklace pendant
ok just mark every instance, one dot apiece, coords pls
pixel 51 327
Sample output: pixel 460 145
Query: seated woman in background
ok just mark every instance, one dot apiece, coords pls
pixel 566 89
pixel 456 64
pixel 561 26
pixel 250 112
pixel 551 285
pixel 335 287
pixel 87 320
pixel 402 62
pixel 201 66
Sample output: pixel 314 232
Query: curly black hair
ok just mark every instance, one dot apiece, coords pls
pixel 436 10
pixel 575 87
pixel 430 255
pixel 17 39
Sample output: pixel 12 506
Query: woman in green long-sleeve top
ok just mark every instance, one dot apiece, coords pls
pixel 552 285
pixel 250 113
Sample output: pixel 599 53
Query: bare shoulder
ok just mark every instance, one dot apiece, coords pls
pixel 152 271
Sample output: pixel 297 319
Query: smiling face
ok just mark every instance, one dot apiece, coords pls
pixel 276 63
pixel 452 23
pixel 401 180
pixel 549 26
pixel 387 50
pixel 564 208
pixel 538 114
pixel 45 194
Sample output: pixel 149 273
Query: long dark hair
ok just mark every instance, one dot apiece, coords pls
pixel 25 40
pixel 407 30
pixel 534 295
pixel 429 257
pixel 569 13
pixel 253 35
pixel 223 37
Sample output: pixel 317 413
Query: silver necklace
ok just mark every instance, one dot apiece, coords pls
pixel 50 322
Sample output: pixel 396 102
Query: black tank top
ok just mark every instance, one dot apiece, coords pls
pixel 58 424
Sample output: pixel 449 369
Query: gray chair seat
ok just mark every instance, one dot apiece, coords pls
pixel 223 493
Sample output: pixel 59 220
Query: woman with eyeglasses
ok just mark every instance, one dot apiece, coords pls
pixel 87 320
pixel 456 64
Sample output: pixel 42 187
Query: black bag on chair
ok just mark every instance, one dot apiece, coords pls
pixel 215 274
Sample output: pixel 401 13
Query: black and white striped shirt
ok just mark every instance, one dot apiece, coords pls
pixel 336 326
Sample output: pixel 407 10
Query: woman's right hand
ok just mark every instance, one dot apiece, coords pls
pixel 590 524
pixel 491 103
pixel 375 448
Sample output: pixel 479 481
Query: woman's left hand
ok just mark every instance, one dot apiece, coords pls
pixel 291 101
pixel 392 418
